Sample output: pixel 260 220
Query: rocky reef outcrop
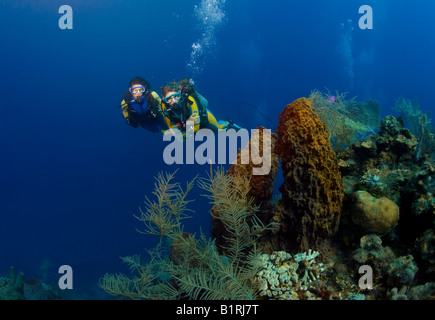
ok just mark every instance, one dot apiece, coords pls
pixel 386 165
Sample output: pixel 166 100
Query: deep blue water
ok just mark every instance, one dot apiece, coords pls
pixel 73 173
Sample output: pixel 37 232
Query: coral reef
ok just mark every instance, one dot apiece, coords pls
pixel 34 290
pixel 425 247
pixel 389 165
pixel 402 270
pixel 391 271
pixel 17 288
pixel 371 251
pixel 420 292
pixel 12 288
pixel 339 207
pixel 419 125
pixel 284 277
pixel 385 164
pixel 312 191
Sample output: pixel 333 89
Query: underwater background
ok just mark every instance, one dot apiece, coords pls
pixel 73 173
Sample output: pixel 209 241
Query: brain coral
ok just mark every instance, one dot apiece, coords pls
pixel 312 191
pixel 374 214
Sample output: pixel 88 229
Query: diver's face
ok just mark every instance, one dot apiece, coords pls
pixel 136 92
pixel 172 98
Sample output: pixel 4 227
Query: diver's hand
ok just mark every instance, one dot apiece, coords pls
pixel 153 111
pixel 130 121
pixel 194 119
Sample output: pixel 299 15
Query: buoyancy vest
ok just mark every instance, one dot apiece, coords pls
pixel 127 108
pixel 189 107
pixel 202 109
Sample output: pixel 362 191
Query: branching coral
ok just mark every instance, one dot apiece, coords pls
pixel 194 268
pixel 143 286
pixel 260 186
pixel 235 211
pixel 163 218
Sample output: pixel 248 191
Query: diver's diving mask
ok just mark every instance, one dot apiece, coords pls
pixel 137 89
pixel 176 96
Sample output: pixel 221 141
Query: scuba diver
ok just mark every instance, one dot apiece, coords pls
pixel 141 106
pixel 182 103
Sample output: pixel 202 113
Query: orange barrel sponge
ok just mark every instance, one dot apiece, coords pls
pixel 312 191
pixel 261 184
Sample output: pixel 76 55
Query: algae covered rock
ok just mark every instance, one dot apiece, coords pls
pixel 374 214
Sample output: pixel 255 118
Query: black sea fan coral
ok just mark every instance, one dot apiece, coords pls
pixel 346 119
